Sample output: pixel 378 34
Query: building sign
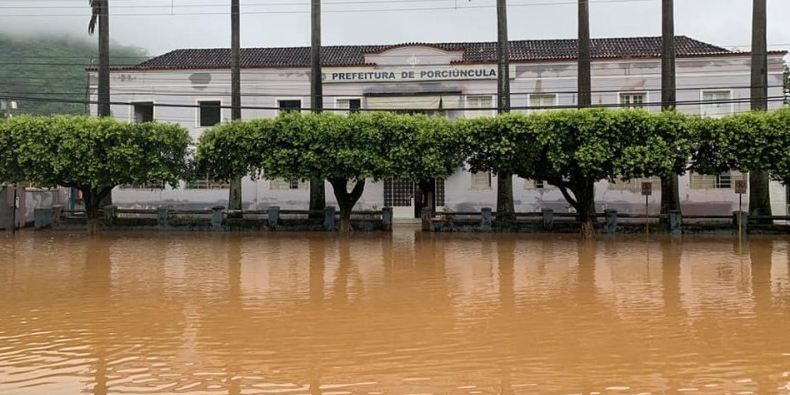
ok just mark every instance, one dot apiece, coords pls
pixel 411 74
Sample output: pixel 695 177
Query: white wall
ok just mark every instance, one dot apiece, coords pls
pixel 262 88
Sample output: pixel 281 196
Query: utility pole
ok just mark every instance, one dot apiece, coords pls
pixel 505 210
pixel 317 189
pixel 584 74
pixel 234 198
pixel 759 183
pixel 670 193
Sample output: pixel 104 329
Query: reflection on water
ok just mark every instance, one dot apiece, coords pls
pixel 406 313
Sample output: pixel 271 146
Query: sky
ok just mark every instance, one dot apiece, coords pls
pixel 163 25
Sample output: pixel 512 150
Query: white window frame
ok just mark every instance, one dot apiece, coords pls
pixel 537 184
pixel 139 101
pixel 347 110
pixel 703 181
pixel 645 99
pixel 280 184
pixel 635 184
pixel 197 110
pixel 533 110
pixel 277 101
pixel 481 112
pixel 702 102
pixel 474 186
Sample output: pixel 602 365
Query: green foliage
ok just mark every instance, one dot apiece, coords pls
pixel 358 146
pixel 231 150
pixel 53 68
pixel 91 154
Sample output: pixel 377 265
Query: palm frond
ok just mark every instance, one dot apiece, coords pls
pixel 95 11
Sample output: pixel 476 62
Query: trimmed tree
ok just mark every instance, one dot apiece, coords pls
pixel 348 150
pixel 95 155
pixel 580 148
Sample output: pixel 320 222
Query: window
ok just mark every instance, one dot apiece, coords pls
pixel 542 100
pixel 481 180
pixel 150 185
pixel 635 185
pixel 724 180
pixel 143 112
pixel 348 106
pixel 537 184
pixel 207 184
pixel 716 103
pixel 209 113
pixel 633 100
pixel 289 105
pixel 286 184
pixel 479 106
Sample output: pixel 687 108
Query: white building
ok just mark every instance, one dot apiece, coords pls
pixel 192 87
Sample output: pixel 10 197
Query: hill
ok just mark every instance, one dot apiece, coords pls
pixel 53 68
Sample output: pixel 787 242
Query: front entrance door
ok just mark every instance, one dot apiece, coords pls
pixel 401 194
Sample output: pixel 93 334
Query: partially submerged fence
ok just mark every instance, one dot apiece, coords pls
pixel 215 219
pixel 610 221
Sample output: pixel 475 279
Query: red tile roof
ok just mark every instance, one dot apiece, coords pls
pixel 473 52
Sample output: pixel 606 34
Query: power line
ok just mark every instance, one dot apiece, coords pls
pixel 410 9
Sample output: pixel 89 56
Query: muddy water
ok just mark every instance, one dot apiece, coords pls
pixel 405 313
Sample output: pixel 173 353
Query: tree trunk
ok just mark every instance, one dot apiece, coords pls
pixel 670 197
pixel 234 195
pixel 93 207
pixel 346 200
pixel 505 210
pixel 585 197
pixel 759 183
pixel 583 201
pixel 670 194
pixel 317 190
pixel 584 73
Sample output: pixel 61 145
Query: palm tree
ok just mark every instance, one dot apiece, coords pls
pixel 100 14
pixel 317 190
pixel 759 192
pixel 670 194
pixel 584 73
pixel 505 211
pixel 234 195
pixel 584 86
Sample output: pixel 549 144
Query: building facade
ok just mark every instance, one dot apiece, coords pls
pixel 192 87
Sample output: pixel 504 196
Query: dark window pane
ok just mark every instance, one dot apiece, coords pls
pixel 290 105
pixel 143 112
pixel 210 113
pixel 354 105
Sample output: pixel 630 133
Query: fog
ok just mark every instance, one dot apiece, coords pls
pixel 162 25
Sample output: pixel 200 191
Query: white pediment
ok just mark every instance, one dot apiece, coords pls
pixel 414 55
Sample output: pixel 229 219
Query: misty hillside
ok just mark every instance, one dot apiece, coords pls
pixel 53 68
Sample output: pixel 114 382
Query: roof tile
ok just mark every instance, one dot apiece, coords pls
pixel 474 52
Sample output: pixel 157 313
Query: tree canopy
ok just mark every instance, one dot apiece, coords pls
pixel 91 154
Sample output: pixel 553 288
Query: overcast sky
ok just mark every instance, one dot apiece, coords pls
pixel 163 25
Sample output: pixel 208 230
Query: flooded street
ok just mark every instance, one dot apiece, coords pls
pixel 401 313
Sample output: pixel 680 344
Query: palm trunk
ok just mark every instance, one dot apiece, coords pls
pixel 346 200
pixel 317 190
pixel 584 74
pixel 104 59
pixel 670 193
pixel 505 210
pixel 234 196
pixel 759 191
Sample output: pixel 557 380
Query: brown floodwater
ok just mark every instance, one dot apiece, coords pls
pixel 401 313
